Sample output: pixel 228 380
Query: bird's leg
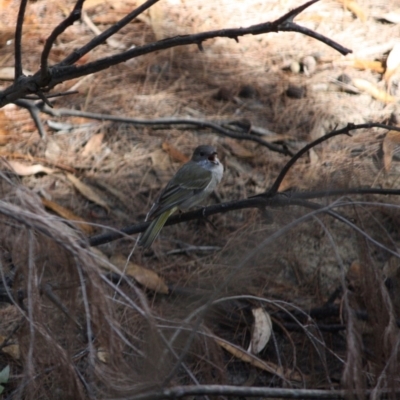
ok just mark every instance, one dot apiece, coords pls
pixel 206 219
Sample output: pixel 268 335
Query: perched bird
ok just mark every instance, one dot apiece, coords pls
pixel 191 184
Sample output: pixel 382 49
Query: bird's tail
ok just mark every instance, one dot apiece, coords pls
pixel 153 230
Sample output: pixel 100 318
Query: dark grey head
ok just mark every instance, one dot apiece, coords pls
pixel 205 152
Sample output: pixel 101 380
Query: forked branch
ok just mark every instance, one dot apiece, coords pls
pixel 49 77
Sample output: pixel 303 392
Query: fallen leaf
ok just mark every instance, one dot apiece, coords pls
pixel 356 9
pixel 174 153
pixel 88 192
pixel 12 350
pixel 53 150
pixel 110 41
pixel 103 355
pixel 261 332
pixel 157 19
pixel 146 277
pixel 392 62
pixel 392 16
pixel 371 65
pixel 11 155
pixel 26 170
pixel 238 150
pixel 69 215
pixel 160 160
pixel 247 357
pixel 4 128
pixel 389 144
pixel 372 90
pixel 93 145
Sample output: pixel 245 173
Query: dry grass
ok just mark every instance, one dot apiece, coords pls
pixel 70 314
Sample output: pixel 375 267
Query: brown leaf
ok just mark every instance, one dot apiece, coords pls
pixel 12 350
pixel 356 9
pixel 69 215
pixel 93 145
pixel 146 277
pixel 87 191
pixel 160 160
pixel 261 332
pixel 26 170
pixel 174 153
pixel 11 155
pixel 372 90
pixel 245 356
pixel 375 66
pixel 4 128
pixel 390 142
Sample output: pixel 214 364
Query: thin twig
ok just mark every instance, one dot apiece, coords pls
pixel 168 122
pixel 18 39
pixel 240 391
pixel 344 131
pixel 35 114
pixel 58 30
pixel 79 53
pixel 53 95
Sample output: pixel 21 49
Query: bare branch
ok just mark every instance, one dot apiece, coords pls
pixel 18 39
pixel 77 54
pixel 240 391
pixel 58 30
pixel 47 78
pixel 270 198
pixel 34 111
pixel 61 73
pixel 344 131
pixel 278 200
pixel 171 121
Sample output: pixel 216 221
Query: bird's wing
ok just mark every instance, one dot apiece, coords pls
pixel 188 181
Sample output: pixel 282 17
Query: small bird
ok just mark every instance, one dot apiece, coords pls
pixel 191 184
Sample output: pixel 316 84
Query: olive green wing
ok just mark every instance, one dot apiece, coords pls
pixel 188 181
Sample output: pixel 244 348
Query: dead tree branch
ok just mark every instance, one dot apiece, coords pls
pixel 48 77
pixel 74 16
pixel 18 39
pixel 270 198
pixel 238 391
pixel 201 123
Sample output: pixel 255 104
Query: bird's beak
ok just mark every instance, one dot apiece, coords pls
pixel 213 158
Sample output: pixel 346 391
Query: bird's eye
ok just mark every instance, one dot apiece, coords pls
pixel 201 153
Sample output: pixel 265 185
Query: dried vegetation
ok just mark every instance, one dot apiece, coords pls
pixel 89 323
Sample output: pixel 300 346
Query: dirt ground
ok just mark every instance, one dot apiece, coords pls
pixel 291 87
